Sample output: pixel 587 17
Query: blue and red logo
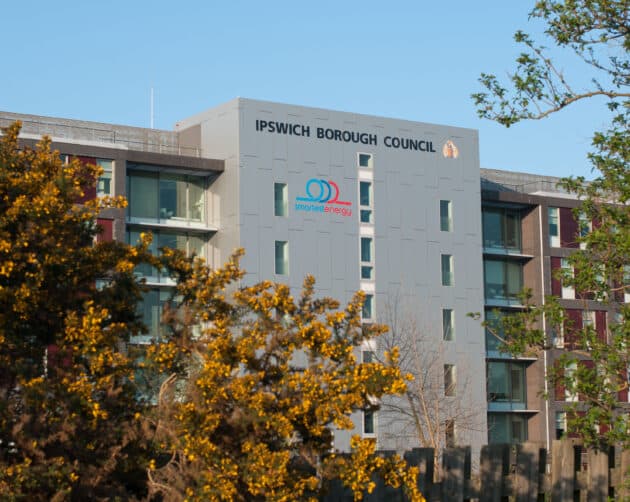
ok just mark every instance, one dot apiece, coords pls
pixel 322 196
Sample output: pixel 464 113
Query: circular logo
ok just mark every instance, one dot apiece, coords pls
pixel 449 150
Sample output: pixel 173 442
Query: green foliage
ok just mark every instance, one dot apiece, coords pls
pixel 596 31
pixel 593 368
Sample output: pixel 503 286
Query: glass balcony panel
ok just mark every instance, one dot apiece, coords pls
pixel 503 280
pixel 196 198
pixel 143 195
pixel 501 229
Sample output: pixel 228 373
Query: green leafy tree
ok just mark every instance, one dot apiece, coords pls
pixel 69 427
pixel 598 33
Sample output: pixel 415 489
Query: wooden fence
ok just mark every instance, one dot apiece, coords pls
pixel 515 473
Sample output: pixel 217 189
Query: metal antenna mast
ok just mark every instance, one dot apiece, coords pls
pixel 151 107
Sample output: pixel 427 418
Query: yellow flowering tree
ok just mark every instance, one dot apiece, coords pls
pixel 254 382
pixel 259 382
pixel 69 425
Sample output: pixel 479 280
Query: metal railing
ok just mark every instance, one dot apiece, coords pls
pixel 60 131
pixel 529 187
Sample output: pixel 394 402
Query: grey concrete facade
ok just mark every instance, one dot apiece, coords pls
pixel 408 185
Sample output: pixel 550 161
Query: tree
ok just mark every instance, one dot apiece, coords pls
pixel 252 382
pixel 256 390
pixel 422 416
pixel 69 425
pixel 597 31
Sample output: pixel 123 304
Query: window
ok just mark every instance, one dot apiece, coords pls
pixel 159 196
pixel 503 279
pixel 368 422
pixel 448 325
pixel 282 258
pixel 589 326
pixel 366 272
pixel 150 309
pixel 561 424
pixel 368 307
pixel 494 329
pixel 281 199
pixel 365 201
pixel 588 319
pixel 501 228
pixel 450 380
pixel 557 336
pixel 506 382
pixel 104 183
pixel 446 216
pixel 569 372
pixel 367 356
pixel 568 291
pixel 449 433
pixel 190 243
pixel 366 257
pixel 586 227
pixel 365 160
pixel 447 270
pixel 506 428
pixel 554 227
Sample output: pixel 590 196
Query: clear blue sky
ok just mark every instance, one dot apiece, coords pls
pixel 416 60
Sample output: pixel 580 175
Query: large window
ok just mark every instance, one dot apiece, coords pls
pixel 164 197
pixel 506 382
pixel 150 309
pixel 190 244
pixel 503 279
pixel 494 329
pixel 282 258
pixel 507 428
pixel 501 228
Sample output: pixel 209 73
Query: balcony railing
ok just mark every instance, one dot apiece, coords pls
pixel 156 141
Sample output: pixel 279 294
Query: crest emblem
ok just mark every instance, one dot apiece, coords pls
pixel 449 150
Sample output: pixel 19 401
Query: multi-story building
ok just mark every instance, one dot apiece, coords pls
pixel 529 230
pixel 391 207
